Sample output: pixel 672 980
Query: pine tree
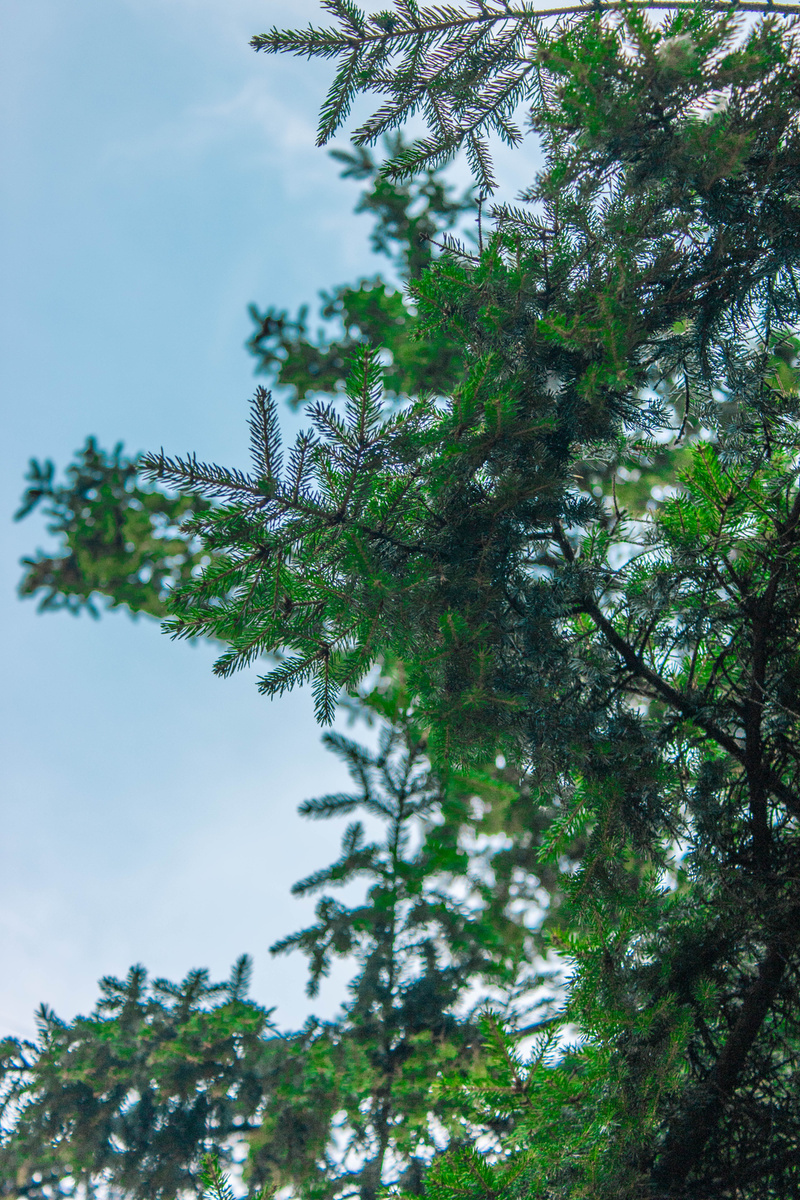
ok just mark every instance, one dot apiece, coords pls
pixel 431 942
pixel 131 1097
pixel 641 301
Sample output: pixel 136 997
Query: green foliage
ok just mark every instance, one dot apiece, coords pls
pixel 409 218
pixel 636 312
pixel 417 948
pixel 136 1093
pixel 467 72
pixel 387 557
pixel 427 933
pixel 149 1096
pixel 216 1185
pixel 119 538
pixel 584 552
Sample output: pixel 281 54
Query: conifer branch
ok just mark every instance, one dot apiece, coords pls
pixel 685 1142
pixel 688 706
pixel 438 21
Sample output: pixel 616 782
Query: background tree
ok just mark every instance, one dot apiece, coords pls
pixel 133 1097
pixel 419 949
pixel 443 925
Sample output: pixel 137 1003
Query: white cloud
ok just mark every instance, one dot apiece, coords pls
pixel 251 116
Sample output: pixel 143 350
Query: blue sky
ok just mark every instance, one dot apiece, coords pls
pixel 157 176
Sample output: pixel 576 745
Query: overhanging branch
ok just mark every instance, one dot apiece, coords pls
pixel 378 29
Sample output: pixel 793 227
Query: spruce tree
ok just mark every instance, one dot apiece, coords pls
pixel 640 301
pixel 419 946
pixel 129 1098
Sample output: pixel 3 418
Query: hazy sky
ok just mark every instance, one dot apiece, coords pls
pixel 156 176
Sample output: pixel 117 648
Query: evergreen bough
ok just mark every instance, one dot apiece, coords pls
pixel 642 295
